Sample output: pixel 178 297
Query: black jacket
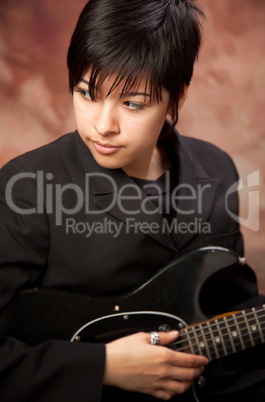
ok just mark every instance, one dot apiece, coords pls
pixel 62 191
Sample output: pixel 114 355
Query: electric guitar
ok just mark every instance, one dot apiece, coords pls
pixel 171 299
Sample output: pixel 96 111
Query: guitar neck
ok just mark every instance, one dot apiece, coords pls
pixel 224 335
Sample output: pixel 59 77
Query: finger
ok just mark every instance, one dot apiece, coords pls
pixel 180 358
pixel 165 395
pixel 170 388
pixel 176 387
pixel 188 360
pixel 176 358
pixel 184 374
pixel 167 337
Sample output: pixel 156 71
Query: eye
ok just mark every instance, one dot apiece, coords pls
pixel 84 93
pixel 133 106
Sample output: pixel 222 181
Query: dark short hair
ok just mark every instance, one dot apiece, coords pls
pixel 158 38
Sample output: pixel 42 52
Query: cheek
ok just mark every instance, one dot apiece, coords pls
pixel 143 139
pixel 153 126
pixel 143 132
pixel 156 118
pixel 77 113
pixel 82 115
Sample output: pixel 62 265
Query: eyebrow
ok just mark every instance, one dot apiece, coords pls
pixel 85 81
pixel 131 93
pixel 135 93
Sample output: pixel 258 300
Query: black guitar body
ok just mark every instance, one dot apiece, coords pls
pixel 171 299
pixel 168 300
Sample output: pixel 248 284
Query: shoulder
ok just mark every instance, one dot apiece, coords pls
pixel 48 158
pixel 25 173
pixel 44 155
pixel 208 157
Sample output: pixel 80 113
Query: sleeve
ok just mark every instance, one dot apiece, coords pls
pixel 54 370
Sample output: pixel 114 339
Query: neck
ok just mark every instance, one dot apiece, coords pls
pixel 153 168
pixel 224 335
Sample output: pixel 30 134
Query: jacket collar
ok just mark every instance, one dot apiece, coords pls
pixel 197 191
pixel 195 195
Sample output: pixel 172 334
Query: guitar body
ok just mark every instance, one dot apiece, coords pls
pixel 39 314
pixel 168 300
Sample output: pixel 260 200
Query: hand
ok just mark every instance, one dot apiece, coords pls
pixel 133 364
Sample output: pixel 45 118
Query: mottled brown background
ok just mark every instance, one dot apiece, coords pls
pixel 226 102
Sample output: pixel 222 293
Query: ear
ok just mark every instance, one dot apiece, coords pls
pixel 182 100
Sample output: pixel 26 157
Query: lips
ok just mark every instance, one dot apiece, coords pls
pixel 105 148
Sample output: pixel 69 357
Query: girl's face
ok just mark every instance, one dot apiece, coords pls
pixel 121 132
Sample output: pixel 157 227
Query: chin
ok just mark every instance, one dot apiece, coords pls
pixel 108 164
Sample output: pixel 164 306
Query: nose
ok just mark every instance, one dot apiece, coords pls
pixel 106 121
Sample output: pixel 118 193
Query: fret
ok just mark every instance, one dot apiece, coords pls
pixel 204 343
pixel 209 341
pixel 226 335
pixel 254 326
pixel 227 340
pixel 221 337
pixel 248 329
pixel 196 342
pixel 184 343
pixel 213 341
pixel 230 335
pixel 258 324
pixel 236 333
pixel 186 332
pixel 217 336
pixel 243 330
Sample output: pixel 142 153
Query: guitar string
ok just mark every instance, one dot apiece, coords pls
pixel 210 350
pixel 210 344
pixel 210 331
pixel 197 328
pixel 212 323
pixel 236 342
pixel 220 331
pixel 211 353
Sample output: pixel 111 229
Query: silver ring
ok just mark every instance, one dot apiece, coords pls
pixel 154 338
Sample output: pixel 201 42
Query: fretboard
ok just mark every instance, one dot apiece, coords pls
pixel 224 335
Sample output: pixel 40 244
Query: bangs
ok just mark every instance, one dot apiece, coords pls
pixel 127 51
pixel 129 76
